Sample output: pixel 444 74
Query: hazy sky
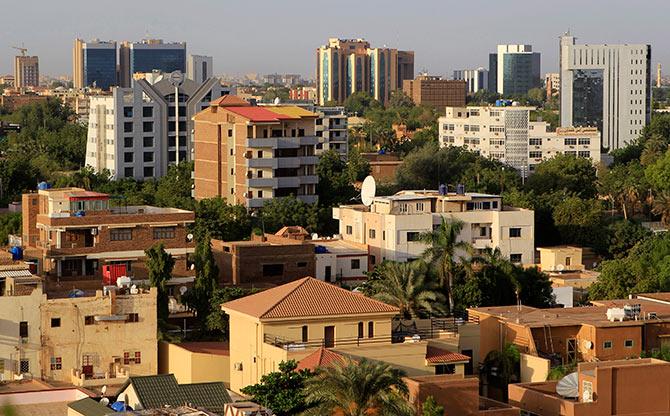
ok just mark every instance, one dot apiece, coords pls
pixel 267 36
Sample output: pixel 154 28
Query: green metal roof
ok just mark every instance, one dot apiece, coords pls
pixel 90 407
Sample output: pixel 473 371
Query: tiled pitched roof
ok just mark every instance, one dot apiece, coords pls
pixel 322 357
pixel 157 391
pixel 259 114
pixel 230 101
pixel 90 407
pixel 307 297
pixel 436 355
pixel 292 111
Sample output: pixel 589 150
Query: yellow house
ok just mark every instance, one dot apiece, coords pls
pixel 195 362
pixel 560 259
pixel 291 321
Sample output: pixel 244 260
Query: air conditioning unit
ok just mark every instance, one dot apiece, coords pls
pixel 237 366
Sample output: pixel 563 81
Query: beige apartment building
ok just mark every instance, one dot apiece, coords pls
pixel 391 226
pixel 250 155
pixel 26 71
pixel 508 134
pixel 346 66
pixel 435 91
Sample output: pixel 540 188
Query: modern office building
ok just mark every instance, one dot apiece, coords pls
pixel 132 132
pixel 250 155
pixel 552 82
pixel 435 91
pixel 391 226
pixel 94 64
pixel 345 66
pixel 26 72
pixel 508 134
pixel 150 55
pixel 606 86
pixel 476 79
pixel 514 69
pixel 74 233
pixel 199 68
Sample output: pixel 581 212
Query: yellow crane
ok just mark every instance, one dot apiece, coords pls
pixel 22 49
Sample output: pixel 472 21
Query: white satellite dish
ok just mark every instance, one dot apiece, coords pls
pixel 104 401
pixel 568 386
pixel 587 344
pixel 560 267
pixel 368 190
pixel 103 390
pixel 277 100
pixel 189 237
pixel 315 236
pixel 182 290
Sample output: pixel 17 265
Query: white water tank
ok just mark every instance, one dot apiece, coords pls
pixel 616 314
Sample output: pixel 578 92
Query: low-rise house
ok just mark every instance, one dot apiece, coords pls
pixel 36 398
pixel 75 233
pixel 623 387
pixel 195 362
pixel 569 278
pixel 293 320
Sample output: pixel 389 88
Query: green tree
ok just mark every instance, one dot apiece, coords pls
pixel 406 286
pixel 9 224
pixel 206 281
pixel 624 235
pixel 335 185
pixel 443 247
pixel 400 100
pixel 431 408
pixel 358 388
pixel 217 320
pixel 279 212
pixel 282 391
pixel 568 173
pixel 357 166
pixel 661 207
pixel 174 189
pixel 503 366
pixel 536 96
pixel 360 102
pixel 580 221
pixel 221 221
pixel 159 264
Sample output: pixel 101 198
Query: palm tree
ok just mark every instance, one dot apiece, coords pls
pixel 405 286
pixel 358 388
pixel 661 206
pixel 443 246
pixel 503 364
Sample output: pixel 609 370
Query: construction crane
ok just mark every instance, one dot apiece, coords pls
pixel 22 49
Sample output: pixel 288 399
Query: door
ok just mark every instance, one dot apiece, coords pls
pixel 327 275
pixel 329 336
pixel 468 369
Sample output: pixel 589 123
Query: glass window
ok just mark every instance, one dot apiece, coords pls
pixel 128 172
pixel 128 157
pixel 628 343
pixel 89 320
pixel 514 232
pixel 607 345
pixel 23 329
pixel 121 234
pixel 413 236
pixel 360 330
pixel 128 127
pixel 349 229
pixel 127 142
pixel 24 366
pixel 148 141
pixel 147 111
pixel 372 233
pixel 371 329
pixel 355 264
pixel 161 233
pixel 304 333
pixel 148 171
pixel 148 126
pixel 515 258
pixel 56 363
pixel 148 156
pixel 570 141
pixel 55 322
pixel 127 111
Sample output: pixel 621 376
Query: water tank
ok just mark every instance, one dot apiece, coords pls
pixel 460 189
pixel 617 314
pixel 17 253
pixel 80 214
pixel 320 250
pixel 442 189
pixel 43 186
pixel 123 281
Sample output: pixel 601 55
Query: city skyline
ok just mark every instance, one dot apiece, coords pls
pixel 474 38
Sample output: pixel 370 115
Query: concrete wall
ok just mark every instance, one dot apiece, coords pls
pixel 533 369
pixel 192 367
pixel 13 348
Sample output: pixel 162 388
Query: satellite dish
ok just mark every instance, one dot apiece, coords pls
pixel 560 267
pixel 189 237
pixel 277 100
pixel 182 290
pixel 193 266
pixel 588 344
pixel 103 390
pixel 104 401
pixel 368 190
pixel 315 236
pixel 568 386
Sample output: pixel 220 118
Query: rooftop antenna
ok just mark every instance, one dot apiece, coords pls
pixel 368 190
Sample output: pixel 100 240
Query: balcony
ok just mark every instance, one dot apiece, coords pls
pixel 288 182
pixel 308 199
pixel 282 142
pixel 78 378
pixel 262 182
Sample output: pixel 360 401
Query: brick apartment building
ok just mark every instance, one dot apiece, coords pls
pixel 250 155
pixel 435 91
pixel 72 232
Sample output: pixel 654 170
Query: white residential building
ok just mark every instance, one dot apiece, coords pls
pixel 132 131
pixel 606 86
pixel 476 79
pixel 392 225
pixel 508 135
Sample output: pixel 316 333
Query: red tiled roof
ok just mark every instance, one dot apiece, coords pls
pixel 214 348
pixel 258 114
pixel 320 358
pixel 307 297
pixel 436 355
pixel 87 195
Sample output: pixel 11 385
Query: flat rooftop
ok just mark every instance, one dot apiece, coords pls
pixel 338 247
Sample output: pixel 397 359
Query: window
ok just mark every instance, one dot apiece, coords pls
pixel 128 157
pixel 535 154
pixel 24 366
pixel 372 233
pixel 132 358
pixel 148 126
pixel 162 233
pixel 568 260
pixel 148 156
pixel 514 232
pixel 133 317
pixel 128 127
pixel 127 142
pixel 302 264
pixel 413 236
pixel 148 171
pixel 360 330
pixel 350 229
pixel 23 329
pixel 128 172
pixel 355 264
pixel 147 111
pixel 584 153
pixel 121 234
pixel 535 141
pixel 482 232
pixel 260 154
pixel 56 363
pixel 607 345
pixel 304 333
pixel 515 258
pixel 371 329
pixel 230 132
pixel 570 141
pixel 89 320
pixel 148 141
pixel 628 343
pixel 584 140
pixel 273 270
pixel 127 111
pixel 55 322
pixel 384 235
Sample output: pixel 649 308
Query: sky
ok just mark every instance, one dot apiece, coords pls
pixel 268 36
